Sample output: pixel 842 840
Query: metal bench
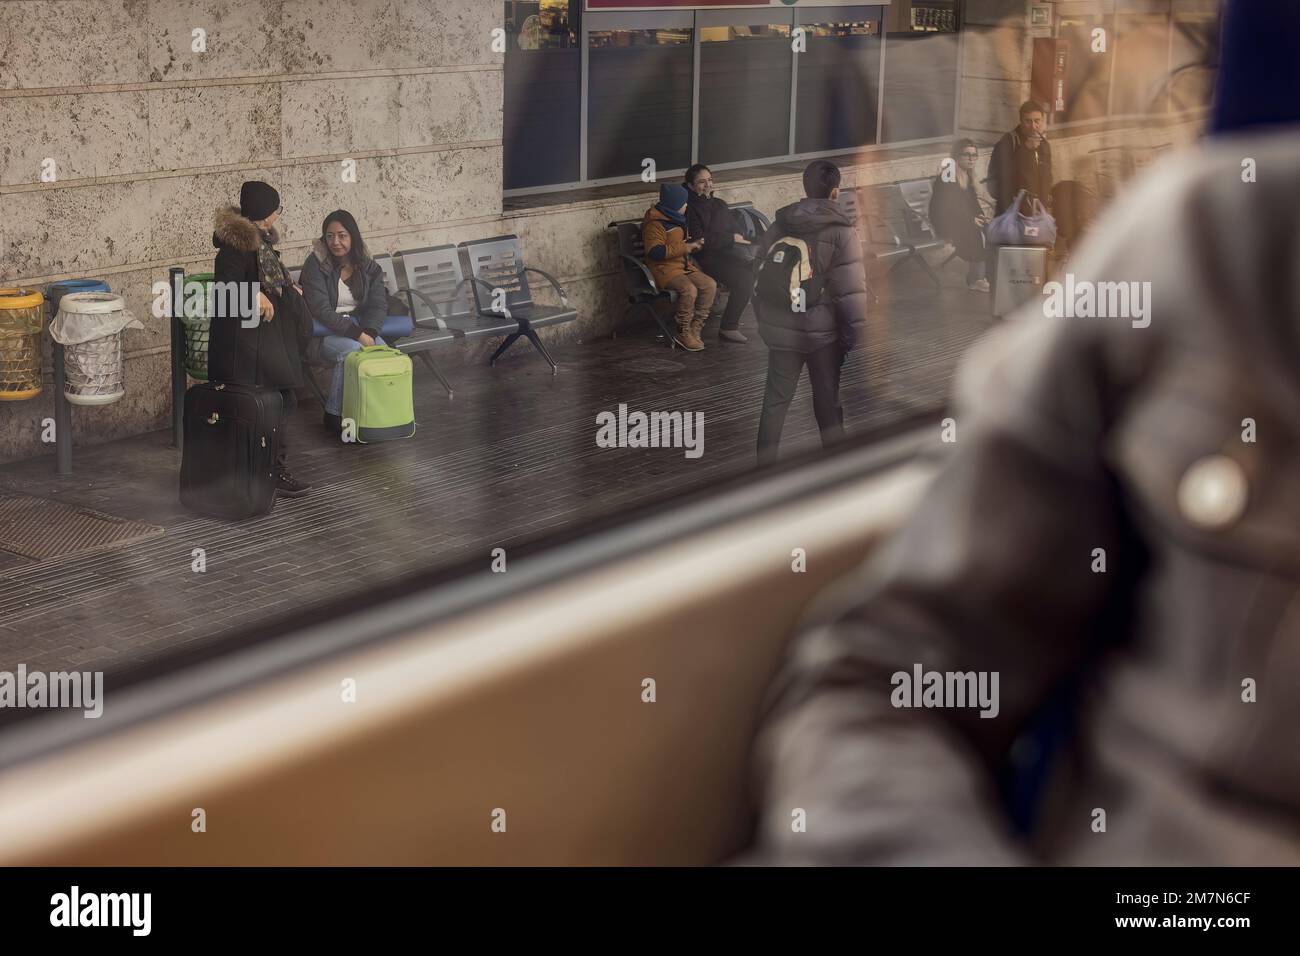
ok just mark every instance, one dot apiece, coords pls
pixel 917 193
pixel 499 280
pixel 893 229
pixel 642 290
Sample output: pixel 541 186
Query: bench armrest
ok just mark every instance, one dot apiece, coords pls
pixel 644 269
pixel 564 299
pixel 439 324
pixel 489 287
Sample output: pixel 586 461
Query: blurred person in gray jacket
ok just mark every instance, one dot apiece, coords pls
pixel 1108 560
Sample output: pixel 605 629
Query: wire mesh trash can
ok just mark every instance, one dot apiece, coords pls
pixel 89 326
pixel 196 319
pixel 22 312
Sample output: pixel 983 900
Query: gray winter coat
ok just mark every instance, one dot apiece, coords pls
pixel 841 312
pixel 1120 510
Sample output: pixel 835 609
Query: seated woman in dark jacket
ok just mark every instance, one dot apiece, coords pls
pixel 956 213
pixel 345 292
pixel 721 258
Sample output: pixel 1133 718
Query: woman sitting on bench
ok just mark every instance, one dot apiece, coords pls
pixel 345 292
pixel 956 213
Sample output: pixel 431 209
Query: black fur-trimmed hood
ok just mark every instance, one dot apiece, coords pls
pixel 235 231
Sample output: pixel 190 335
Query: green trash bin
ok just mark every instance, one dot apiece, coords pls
pixel 196 319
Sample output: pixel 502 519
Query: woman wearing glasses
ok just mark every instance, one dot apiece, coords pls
pixel 956 213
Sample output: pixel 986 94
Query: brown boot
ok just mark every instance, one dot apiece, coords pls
pixel 697 326
pixel 687 338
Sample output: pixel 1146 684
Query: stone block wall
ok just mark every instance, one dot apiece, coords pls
pixel 147 137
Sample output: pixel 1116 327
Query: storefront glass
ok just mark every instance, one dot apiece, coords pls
pixel 543 87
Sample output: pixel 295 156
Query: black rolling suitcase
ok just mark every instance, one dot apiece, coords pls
pixel 232 436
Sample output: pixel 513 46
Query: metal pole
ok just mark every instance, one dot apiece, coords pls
pixel 62 418
pixel 695 90
pixel 177 275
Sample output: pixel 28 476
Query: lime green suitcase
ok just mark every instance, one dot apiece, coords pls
pixel 377 394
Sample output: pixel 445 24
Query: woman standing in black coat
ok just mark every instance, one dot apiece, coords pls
pixel 956 213
pixel 263 348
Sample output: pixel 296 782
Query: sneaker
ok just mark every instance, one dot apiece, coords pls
pixel 732 335
pixel 979 285
pixel 333 423
pixel 287 486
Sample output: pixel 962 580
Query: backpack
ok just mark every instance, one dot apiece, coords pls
pixel 786 280
pixel 377 394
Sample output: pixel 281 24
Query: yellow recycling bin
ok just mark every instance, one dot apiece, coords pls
pixel 21 314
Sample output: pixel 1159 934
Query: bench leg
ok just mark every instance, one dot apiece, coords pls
pixel 901 262
pixel 537 344
pixel 510 340
pixel 437 372
pixel 928 269
pixel 665 327
pixel 924 266
pixel 311 381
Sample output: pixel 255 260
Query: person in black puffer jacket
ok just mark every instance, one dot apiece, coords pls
pixel 263 348
pixel 824 334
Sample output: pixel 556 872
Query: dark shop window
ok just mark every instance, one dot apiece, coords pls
pixel 920 70
pixel 839 82
pixel 543 92
pixel 639 98
pixel 744 92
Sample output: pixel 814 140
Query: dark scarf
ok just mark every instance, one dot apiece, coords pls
pixel 271 271
pixel 672 215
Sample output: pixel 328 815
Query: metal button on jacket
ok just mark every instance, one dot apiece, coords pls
pixel 1213 492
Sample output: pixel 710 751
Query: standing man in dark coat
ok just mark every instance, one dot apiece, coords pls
pixel 262 348
pixel 1022 159
pixel 723 256
pixel 821 336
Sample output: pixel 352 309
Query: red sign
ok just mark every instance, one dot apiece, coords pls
pixel 707 4
pixel 668 4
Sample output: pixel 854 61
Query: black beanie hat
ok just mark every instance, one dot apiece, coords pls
pixel 257 200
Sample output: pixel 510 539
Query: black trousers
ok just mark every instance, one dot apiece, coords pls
pixel 290 397
pixel 783 369
pixel 737 275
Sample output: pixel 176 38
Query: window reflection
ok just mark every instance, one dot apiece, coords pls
pixel 839 85
pixel 744 82
pixel 640 100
